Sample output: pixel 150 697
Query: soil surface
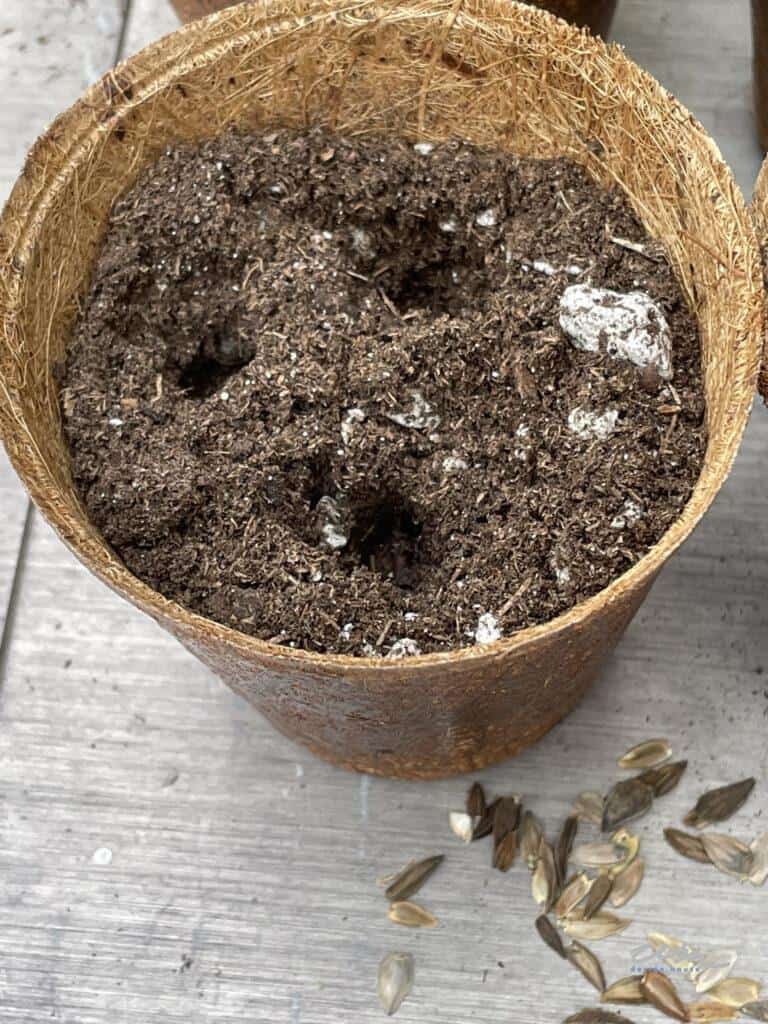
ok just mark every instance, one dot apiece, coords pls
pixel 318 391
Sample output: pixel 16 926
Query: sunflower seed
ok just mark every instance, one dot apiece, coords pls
pixel 719 804
pixel 712 969
pixel 660 992
pixel 663 779
pixel 573 893
pixel 396 973
pixel 626 990
pixel 484 826
pixel 729 855
pixel 596 855
pixel 759 870
pixel 462 825
pixel 598 894
pixel 505 853
pixel 630 843
pixel 736 992
pixel 686 845
pixel 544 881
pixel 412 877
pixel 658 939
pixel 550 935
pixel 476 803
pixel 589 807
pixel 629 799
pixel 506 819
pixel 600 926
pixel 756 1011
pixel 584 960
pixel 531 835
pixel 646 755
pixel 596 1015
pixel 565 845
pixel 626 883
pixel 710 1012
pixel 411 915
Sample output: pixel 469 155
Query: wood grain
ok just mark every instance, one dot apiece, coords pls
pixel 234 848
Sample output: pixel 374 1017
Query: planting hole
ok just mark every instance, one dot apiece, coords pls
pixel 216 360
pixel 385 538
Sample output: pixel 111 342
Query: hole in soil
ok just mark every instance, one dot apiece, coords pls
pixel 216 360
pixel 385 538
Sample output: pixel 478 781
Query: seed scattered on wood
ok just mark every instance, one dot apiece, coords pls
pixel 759 870
pixel 648 754
pixel 628 800
pixel 712 969
pixel 686 845
pixel 596 855
pixel 531 835
pixel 476 803
pixel 589 807
pixel 396 974
pixel 630 844
pixel 719 804
pixel 728 855
pixel 625 990
pixel 574 892
pixel 544 881
pixel 565 845
pixel 411 915
pixel 736 992
pixel 659 991
pixel 550 935
pixel 626 883
pixel 484 826
pixel 408 882
pixel 597 895
pixel 504 854
pixel 462 825
pixel 756 1011
pixel 601 926
pixel 596 1015
pixel 708 1012
pixel 506 819
pixel 663 779
pixel 584 960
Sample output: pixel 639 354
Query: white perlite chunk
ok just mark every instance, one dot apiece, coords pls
pixel 419 417
pixel 626 325
pixel 346 631
pixel 351 418
pixel 630 514
pixel 423 148
pixel 487 629
pixel 332 526
pixel 453 464
pixel 405 648
pixel 544 267
pixel 586 424
pixel 486 218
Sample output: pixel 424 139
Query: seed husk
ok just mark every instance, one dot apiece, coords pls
pixel 736 992
pixel 506 819
pixel 408 882
pixel 625 990
pixel 659 939
pixel 660 992
pixel 574 892
pixel 585 961
pixel 504 854
pixel 599 926
pixel 565 845
pixel 596 1015
pixel 719 804
pixel 728 855
pixel 630 843
pixel 759 870
pixel 686 845
pixel 626 883
pixel 708 1012
pixel 411 915
pixel 531 835
pixel 589 807
pixel 663 779
pixel 597 895
pixel 756 1011
pixel 544 881
pixel 476 802
pixel 648 754
pixel 628 800
pixel 712 969
pixel 462 825
pixel 550 935
pixel 396 974
pixel 484 826
pixel 596 855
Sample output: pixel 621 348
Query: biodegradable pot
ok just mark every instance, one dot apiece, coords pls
pixel 760 219
pixel 760 68
pixel 596 15
pixel 491 71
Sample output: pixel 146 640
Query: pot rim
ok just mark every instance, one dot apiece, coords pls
pixel 200 44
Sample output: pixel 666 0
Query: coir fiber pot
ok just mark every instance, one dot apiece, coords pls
pixel 596 15
pixel 496 73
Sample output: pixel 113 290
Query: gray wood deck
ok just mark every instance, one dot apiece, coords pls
pixel 240 883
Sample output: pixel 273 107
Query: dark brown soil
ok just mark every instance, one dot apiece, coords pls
pixel 253 291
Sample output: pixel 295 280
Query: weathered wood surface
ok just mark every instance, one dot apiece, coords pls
pixel 241 885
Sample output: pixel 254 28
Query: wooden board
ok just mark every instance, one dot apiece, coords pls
pixel 241 884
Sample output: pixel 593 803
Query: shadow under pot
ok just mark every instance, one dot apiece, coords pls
pixel 595 15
